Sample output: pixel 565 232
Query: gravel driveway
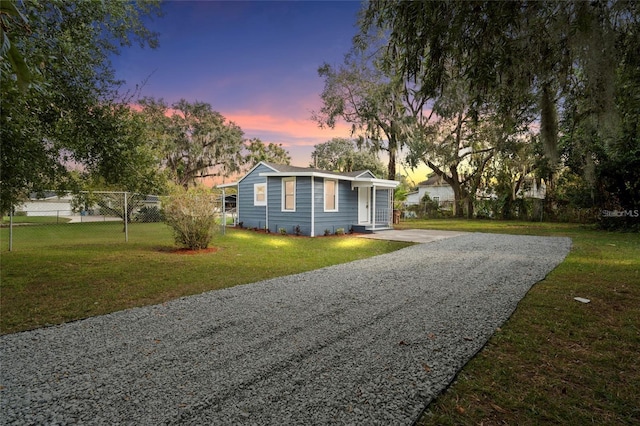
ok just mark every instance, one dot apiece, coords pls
pixel 367 342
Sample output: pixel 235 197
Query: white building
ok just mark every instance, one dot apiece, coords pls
pixel 436 187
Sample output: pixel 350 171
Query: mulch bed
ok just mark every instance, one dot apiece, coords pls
pixel 188 251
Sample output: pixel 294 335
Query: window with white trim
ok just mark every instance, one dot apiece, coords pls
pixel 259 194
pixel 289 194
pixel 330 195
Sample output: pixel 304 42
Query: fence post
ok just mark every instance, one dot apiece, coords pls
pixel 126 219
pixel 224 213
pixel 11 228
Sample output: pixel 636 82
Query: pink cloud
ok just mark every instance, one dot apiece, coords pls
pixel 297 135
pixel 292 130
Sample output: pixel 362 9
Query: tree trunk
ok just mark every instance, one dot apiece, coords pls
pixel 549 124
pixel 393 147
pixel 469 207
pixel 458 199
pixel 507 208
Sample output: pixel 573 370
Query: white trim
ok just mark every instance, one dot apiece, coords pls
pixel 335 195
pixel 284 194
pixel 266 206
pixel 373 209
pixel 238 205
pixel 227 185
pixel 381 183
pixel 313 208
pixel 306 174
pixel 364 173
pixel 366 191
pixel 357 181
pixel 253 168
pixel 256 202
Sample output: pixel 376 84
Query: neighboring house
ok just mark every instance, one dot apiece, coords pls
pixel 533 188
pixel 151 201
pixel 47 204
pixel 436 187
pixel 51 204
pixel 441 191
pixel 311 202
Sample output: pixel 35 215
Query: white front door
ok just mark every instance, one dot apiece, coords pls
pixel 364 205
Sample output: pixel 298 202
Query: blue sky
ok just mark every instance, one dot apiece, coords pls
pixel 254 61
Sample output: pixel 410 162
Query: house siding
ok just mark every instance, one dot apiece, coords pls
pixel 252 216
pixel 289 220
pixel 347 213
pixel 309 216
pixel 441 192
pixel 49 207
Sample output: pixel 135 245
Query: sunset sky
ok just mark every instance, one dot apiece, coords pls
pixel 255 62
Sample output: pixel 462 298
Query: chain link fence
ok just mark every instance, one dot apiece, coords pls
pixel 107 216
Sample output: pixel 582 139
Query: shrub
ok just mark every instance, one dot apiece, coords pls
pixel 340 231
pixel 283 231
pixel 192 214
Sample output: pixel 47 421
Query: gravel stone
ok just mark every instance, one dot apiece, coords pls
pixel 366 342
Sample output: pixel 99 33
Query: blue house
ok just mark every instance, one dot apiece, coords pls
pixel 312 202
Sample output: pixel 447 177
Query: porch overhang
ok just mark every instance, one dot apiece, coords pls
pixel 379 218
pixel 227 185
pixel 370 182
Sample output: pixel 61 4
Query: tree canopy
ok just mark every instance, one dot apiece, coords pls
pixel 571 67
pixel 60 106
pixel 369 100
pixel 193 141
pixel 257 151
pixel 343 155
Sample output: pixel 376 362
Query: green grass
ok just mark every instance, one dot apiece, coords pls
pixel 557 361
pixel 35 220
pixel 61 273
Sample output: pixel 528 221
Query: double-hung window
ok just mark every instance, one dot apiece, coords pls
pixel 289 194
pixel 259 194
pixel 330 195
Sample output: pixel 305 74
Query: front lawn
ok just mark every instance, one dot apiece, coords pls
pixel 66 272
pixel 557 361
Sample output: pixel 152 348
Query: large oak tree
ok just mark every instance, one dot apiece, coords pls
pixel 343 155
pixel 60 106
pixel 193 141
pixel 366 98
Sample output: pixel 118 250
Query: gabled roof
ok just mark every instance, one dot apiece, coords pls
pixel 433 180
pixel 358 178
pixel 230 184
pixel 287 170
